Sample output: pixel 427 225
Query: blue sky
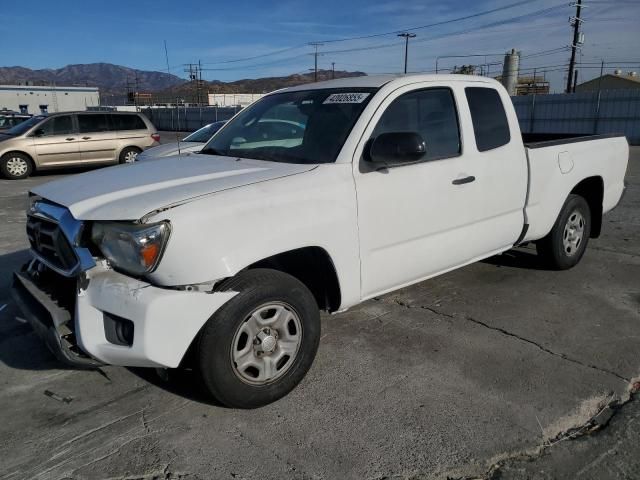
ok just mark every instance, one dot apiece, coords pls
pixel 132 32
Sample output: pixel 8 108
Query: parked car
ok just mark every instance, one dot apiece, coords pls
pixel 72 139
pixel 190 144
pixel 11 119
pixel 231 253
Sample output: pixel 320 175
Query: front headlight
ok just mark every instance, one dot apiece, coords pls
pixel 134 248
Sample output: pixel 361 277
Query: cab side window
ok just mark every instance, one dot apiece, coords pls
pixel 490 124
pixel 97 122
pixel 127 122
pixel 432 114
pixel 58 125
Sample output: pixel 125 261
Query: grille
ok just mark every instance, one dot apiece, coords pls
pixel 50 244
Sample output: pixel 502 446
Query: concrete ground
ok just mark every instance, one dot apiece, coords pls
pixel 501 369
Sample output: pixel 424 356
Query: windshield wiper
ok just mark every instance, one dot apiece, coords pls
pixel 213 151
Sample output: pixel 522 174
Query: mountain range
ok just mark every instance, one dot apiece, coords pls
pixel 106 76
pixel 117 80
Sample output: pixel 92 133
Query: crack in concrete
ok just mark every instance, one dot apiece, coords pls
pixel 591 426
pixel 542 348
pixel 610 250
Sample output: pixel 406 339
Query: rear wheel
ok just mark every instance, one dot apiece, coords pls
pixel 259 345
pixel 129 154
pixel 15 166
pixel 564 246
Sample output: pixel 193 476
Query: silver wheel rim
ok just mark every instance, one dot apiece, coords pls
pixel 573 233
pixel 130 156
pixel 266 344
pixel 17 166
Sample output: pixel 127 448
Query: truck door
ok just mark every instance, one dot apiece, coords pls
pixel 421 219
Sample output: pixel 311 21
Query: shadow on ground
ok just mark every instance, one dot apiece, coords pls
pixel 524 258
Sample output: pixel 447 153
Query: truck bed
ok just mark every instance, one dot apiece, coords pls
pixel 559 162
pixel 539 140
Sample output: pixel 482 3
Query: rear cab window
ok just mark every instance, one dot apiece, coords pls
pixel 490 125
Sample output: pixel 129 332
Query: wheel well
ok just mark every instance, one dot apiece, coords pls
pixel 592 190
pixel 33 164
pixel 313 267
pixel 134 147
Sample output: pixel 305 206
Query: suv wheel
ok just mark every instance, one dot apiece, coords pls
pixel 129 154
pixel 564 246
pixel 261 343
pixel 15 166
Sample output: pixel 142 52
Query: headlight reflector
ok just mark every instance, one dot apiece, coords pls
pixel 134 248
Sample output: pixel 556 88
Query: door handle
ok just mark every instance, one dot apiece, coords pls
pixel 69 139
pixel 462 181
pixel 86 138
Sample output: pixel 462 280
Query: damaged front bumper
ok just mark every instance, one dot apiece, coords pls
pixel 105 317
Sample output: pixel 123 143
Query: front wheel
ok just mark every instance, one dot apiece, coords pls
pixel 15 166
pixel 564 246
pixel 259 345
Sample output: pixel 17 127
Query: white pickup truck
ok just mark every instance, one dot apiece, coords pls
pixel 223 259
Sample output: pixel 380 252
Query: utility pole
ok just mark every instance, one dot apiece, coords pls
pixel 135 93
pixel 406 36
pixel 199 80
pixel 575 23
pixel 166 57
pixel 315 54
pixel 192 69
pixel 333 70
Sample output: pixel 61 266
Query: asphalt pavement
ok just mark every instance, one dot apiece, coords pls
pixel 501 369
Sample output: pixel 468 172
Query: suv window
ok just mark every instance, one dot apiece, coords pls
pixel 489 118
pixel 96 122
pixel 128 122
pixel 431 113
pixel 58 125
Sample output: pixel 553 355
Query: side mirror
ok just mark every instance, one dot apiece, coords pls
pixel 38 133
pixel 397 148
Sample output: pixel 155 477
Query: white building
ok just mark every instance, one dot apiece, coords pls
pixel 233 99
pixel 47 99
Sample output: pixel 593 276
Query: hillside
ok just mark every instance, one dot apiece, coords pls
pixel 108 77
pixel 258 85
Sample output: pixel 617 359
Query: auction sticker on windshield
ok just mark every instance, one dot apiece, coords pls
pixel 346 97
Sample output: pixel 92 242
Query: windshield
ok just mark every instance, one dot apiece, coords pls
pixel 205 133
pixel 24 126
pixel 307 126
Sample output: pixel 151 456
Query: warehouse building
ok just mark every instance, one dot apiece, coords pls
pixel 233 99
pixel 616 81
pixel 47 99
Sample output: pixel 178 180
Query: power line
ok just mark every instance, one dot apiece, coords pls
pixel 436 24
pixel 395 32
pixel 268 54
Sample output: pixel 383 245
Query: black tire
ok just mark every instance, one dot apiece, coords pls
pixel 127 152
pixel 552 248
pixel 215 345
pixel 9 163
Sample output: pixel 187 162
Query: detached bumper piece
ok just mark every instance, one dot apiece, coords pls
pixel 51 318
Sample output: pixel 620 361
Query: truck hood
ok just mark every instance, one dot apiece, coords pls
pixel 168 149
pixel 130 191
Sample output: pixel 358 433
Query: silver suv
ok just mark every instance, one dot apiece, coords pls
pixel 72 139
